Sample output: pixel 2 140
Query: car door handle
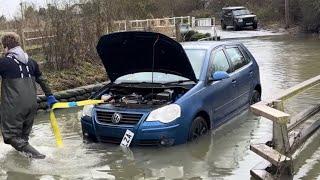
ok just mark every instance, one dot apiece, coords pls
pixel 234 81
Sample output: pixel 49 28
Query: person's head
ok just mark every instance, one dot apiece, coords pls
pixel 10 40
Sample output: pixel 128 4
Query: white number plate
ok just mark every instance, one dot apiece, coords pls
pixel 127 138
pixel 249 23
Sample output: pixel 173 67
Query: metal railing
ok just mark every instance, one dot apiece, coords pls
pixel 288 133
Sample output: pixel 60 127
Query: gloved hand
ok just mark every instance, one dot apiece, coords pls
pixel 51 100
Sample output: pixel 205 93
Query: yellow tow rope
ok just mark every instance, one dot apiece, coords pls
pixel 64 105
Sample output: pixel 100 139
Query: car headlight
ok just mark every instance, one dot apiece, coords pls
pixel 165 114
pixel 240 20
pixel 87 110
pixel 255 18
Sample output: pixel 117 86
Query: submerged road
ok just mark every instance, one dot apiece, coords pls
pixel 247 32
pixel 222 154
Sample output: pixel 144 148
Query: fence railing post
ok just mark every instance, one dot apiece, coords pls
pixel 280 137
pixel 280 132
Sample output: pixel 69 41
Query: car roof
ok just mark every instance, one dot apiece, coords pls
pixel 233 8
pixel 207 45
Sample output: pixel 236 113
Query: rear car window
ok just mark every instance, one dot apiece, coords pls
pixel 236 57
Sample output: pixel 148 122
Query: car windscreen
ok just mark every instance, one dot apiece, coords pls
pixel 196 57
pixel 241 12
pixel 158 77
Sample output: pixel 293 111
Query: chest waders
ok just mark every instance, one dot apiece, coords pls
pixel 18 106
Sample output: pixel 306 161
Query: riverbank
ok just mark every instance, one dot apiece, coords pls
pixel 293 30
pixel 81 75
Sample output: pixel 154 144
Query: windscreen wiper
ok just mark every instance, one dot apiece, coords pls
pixel 178 82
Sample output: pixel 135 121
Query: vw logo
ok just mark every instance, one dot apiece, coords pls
pixel 116 117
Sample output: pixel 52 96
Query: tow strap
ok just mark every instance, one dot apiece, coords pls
pixel 64 105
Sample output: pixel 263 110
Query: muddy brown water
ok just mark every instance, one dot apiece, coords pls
pixel 222 154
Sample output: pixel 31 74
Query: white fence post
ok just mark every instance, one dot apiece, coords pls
pixel 193 22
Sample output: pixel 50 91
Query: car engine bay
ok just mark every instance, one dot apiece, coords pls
pixel 132 96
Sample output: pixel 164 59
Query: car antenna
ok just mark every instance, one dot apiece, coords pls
pixel 153 61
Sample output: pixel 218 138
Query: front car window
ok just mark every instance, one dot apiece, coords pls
pixel 241 12
pixel 220 62
pixel 236 57
pixel 196 58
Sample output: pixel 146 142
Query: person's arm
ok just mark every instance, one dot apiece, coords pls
pixel 41 80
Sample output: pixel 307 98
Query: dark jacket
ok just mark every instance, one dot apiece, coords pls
pixel 19 97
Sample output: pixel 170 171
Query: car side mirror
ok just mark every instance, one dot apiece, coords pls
pixel 220 75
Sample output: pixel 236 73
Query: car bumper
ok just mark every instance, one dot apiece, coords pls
pixel 146 133
pixel 245 24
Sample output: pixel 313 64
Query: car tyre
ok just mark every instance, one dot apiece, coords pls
pixel 255 26
pixel 88 138
pixel 198 128
pixel 236 27
pixel 255 97
pixel 223 25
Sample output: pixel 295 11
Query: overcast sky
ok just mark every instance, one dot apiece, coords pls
pixel 10 8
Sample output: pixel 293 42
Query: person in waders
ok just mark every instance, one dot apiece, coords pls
pixel 18 95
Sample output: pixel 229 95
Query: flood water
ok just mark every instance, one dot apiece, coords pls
pixel 222 154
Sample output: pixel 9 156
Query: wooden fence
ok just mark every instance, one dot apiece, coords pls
pixel 166 26
pixel 289 133
pixel 34 40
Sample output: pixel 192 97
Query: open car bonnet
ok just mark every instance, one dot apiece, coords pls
pixel 131 52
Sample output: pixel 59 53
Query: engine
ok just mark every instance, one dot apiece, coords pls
pixel 142 96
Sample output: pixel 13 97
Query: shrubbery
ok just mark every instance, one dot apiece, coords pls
pixel 195 36
pixel 310 15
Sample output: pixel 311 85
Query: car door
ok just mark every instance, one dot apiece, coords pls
pixel 242 75
pixel 219 92
pixel 229 18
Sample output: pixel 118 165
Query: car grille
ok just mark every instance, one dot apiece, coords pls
pixel 126 118
pixel 248 20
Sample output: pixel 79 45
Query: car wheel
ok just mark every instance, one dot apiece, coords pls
pixel 255 97
pixel 236 27
pixel 88 138
pixel 198 128
pixel 223 25
pixel 255 26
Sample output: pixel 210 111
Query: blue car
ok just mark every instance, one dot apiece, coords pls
pixel 166 93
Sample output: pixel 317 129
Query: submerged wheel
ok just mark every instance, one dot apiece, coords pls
pixel 223 25
pixel 198 128
pixel 255 97
pixel 89 139
pixel 255 26
pixel 236 27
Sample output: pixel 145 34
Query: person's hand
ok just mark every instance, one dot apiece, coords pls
pixel 51 100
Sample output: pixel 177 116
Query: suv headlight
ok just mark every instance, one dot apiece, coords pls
pixel 87 110
pixel 240 20
pixel 165 114
pixel 255 18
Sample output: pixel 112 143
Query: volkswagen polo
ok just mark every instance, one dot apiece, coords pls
pixel 166 93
